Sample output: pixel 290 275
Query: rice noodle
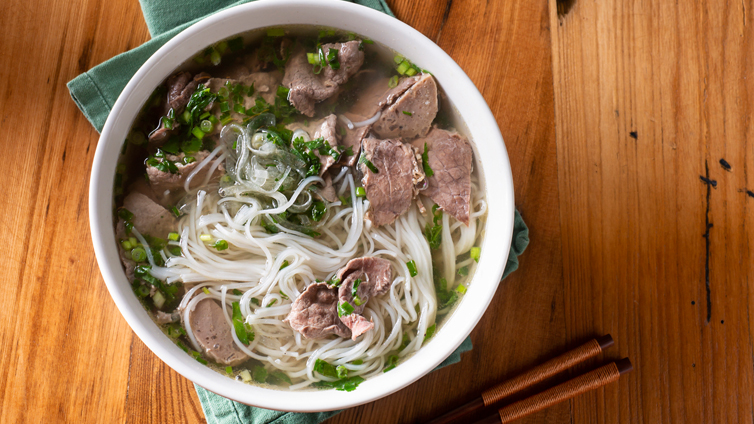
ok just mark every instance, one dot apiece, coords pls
pixel 369 121
pixel 253 262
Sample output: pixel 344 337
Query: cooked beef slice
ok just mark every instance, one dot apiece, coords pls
pixel 390 190
pixel 168 187
pixel 328 191
pixel 353 139
pixel 411 115
pixel 307 88
pixel 180 88
pixel 328 131
pixel 213 333
pixel 265 85
pixel 375 97
pixel 314 313
pixel 374 276
pixel 450 157
pixel 149 217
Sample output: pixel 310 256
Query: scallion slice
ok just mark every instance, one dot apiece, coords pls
pixel 412 268
pixel 475 252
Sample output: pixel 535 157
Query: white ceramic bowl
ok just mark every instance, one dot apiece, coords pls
pixel 377 26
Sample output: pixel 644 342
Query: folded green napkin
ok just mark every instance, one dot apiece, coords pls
pixel 95 93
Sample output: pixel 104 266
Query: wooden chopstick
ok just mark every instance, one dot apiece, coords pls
pixel 537 374
pixel 576 386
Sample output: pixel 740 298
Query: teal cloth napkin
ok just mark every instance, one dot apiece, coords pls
pixel 95 93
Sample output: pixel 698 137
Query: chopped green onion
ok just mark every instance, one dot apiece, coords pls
pixel 398 59
pixel 186 116
pixel 461 289
pixel 205 290
pixel 342 371
pixel 176 212
pixel 237 292
pixel 125 214
pixel 238 324
pixel 229 370
pixel 391 362
pixel 463 271
pixel 226 120
pixel 403 67
pixel 355 287
pixel 334 281
pixel 430 332
pixel 192 145
pixel 358 362
pixel 425 161
pixel 188 159
pixel 224 106
pixel 275 32
pixel 138 254
pixel 197 132
pixel 405 112
pixel 285 264
pixel 475 252
pixel 206 126
pixel 259 374
pixel 158 299
pixel 198 357
pixel 220 245
pixel 255 301
pixel 313 58
pixel 393 82
pixel 319 209
pixel 412 268
pixel 126 245
pixel 133 241
pixel 205 237
pixel 325 368
pixel 272 302
pixel 361 192
pixel 204 115
pixel 245 375
pixel 238 108
pixel 215 57
pixel 357 300
pixel 344 308
pixel 173 236
pixel 411 72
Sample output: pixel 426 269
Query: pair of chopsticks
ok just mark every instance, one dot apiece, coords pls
pixel 576 386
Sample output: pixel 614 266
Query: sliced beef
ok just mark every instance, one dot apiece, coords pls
pixel 149 217
pixel 180 88
pixel 328 191
pixel 412 113
pixel 350 58
pixel 213 333
pixel 353 139
pixel 375 97
pixel 450 157
pixel 374 278
pixel 314 313
pixel 168 187
pixel 328 130
pixel 265 85
pixel 390 190
pixel 307 88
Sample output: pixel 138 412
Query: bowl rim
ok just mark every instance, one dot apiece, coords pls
pixel 483 129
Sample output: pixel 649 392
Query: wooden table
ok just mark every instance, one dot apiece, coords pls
pixel 617 115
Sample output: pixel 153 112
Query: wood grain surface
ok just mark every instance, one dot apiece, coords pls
pixel 616 115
